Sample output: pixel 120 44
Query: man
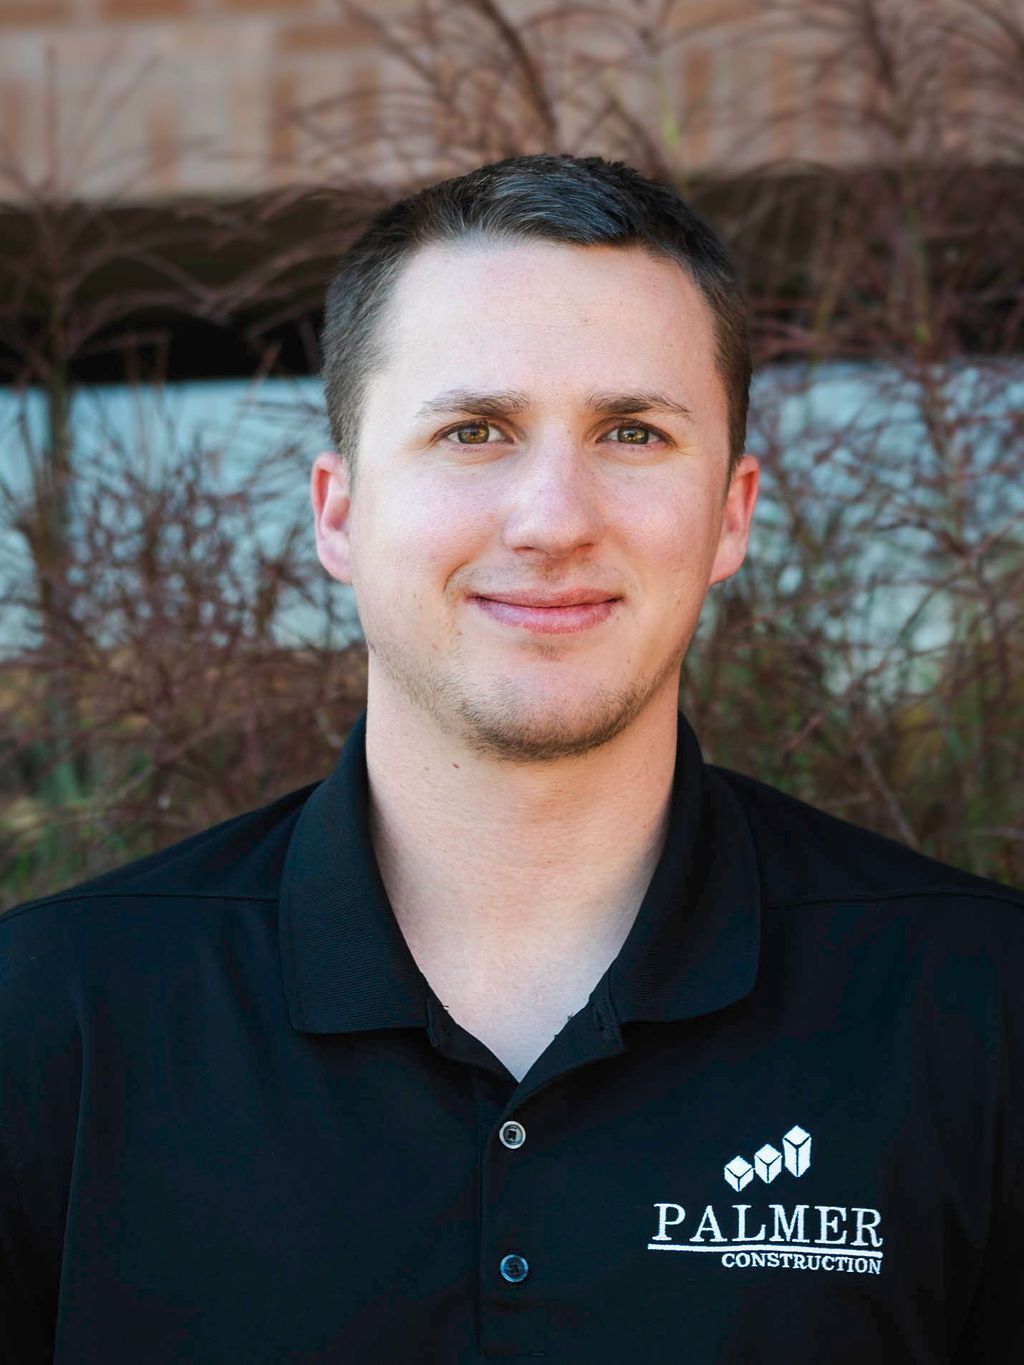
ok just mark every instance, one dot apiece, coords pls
pixel 525 1034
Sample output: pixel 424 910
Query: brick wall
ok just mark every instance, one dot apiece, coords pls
pixel 145 99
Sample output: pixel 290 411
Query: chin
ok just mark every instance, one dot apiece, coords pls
pixel 509 723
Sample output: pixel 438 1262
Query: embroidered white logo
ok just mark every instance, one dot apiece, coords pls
pixel 796 1152
pixel 827 1244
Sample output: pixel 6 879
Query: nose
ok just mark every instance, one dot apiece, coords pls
pixel 553 504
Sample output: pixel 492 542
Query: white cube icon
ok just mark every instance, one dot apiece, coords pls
pixel 797 1148
pixel 768 1163
pixel 739 1173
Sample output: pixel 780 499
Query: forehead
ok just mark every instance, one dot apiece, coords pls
pixel 521 313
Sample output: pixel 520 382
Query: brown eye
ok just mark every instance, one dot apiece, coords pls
pixel 472 426
pixel 638 427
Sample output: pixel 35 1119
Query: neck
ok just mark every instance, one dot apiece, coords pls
pixel 499 864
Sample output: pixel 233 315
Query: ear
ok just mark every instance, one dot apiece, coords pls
pixel 737 515
pixel 329 492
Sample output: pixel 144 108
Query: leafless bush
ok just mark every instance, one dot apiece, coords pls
pixel 878 622
pixel 145 688
pixel 189 705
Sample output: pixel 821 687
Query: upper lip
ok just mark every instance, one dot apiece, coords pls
pixel 568 597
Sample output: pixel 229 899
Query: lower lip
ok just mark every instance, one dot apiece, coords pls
pixel 548 620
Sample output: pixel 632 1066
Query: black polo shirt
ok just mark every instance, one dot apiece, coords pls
pixel 239 1127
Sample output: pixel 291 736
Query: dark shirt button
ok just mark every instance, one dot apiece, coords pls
pixel 512 1134
pixel 514 1268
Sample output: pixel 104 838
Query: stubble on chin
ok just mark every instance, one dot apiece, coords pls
pixel 501 723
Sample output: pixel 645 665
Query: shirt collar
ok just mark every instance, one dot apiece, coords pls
pixel 692 948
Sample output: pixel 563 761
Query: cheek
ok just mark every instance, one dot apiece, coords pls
pixel 673 544
pixel 417 534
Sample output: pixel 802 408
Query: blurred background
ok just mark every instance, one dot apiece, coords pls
pixel 177 180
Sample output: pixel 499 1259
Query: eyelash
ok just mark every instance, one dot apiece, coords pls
pixel 486 422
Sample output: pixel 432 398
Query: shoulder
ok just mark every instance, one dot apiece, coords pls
pixel 237 862
pixel 90 960
pixel 85 971
pixel 857 925
pixel 807 856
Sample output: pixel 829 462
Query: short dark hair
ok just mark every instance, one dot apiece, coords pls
pixel 578 201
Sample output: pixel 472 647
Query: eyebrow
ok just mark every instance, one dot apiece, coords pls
pixel 510 403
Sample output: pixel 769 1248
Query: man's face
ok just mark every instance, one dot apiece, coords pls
pixel 460 507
